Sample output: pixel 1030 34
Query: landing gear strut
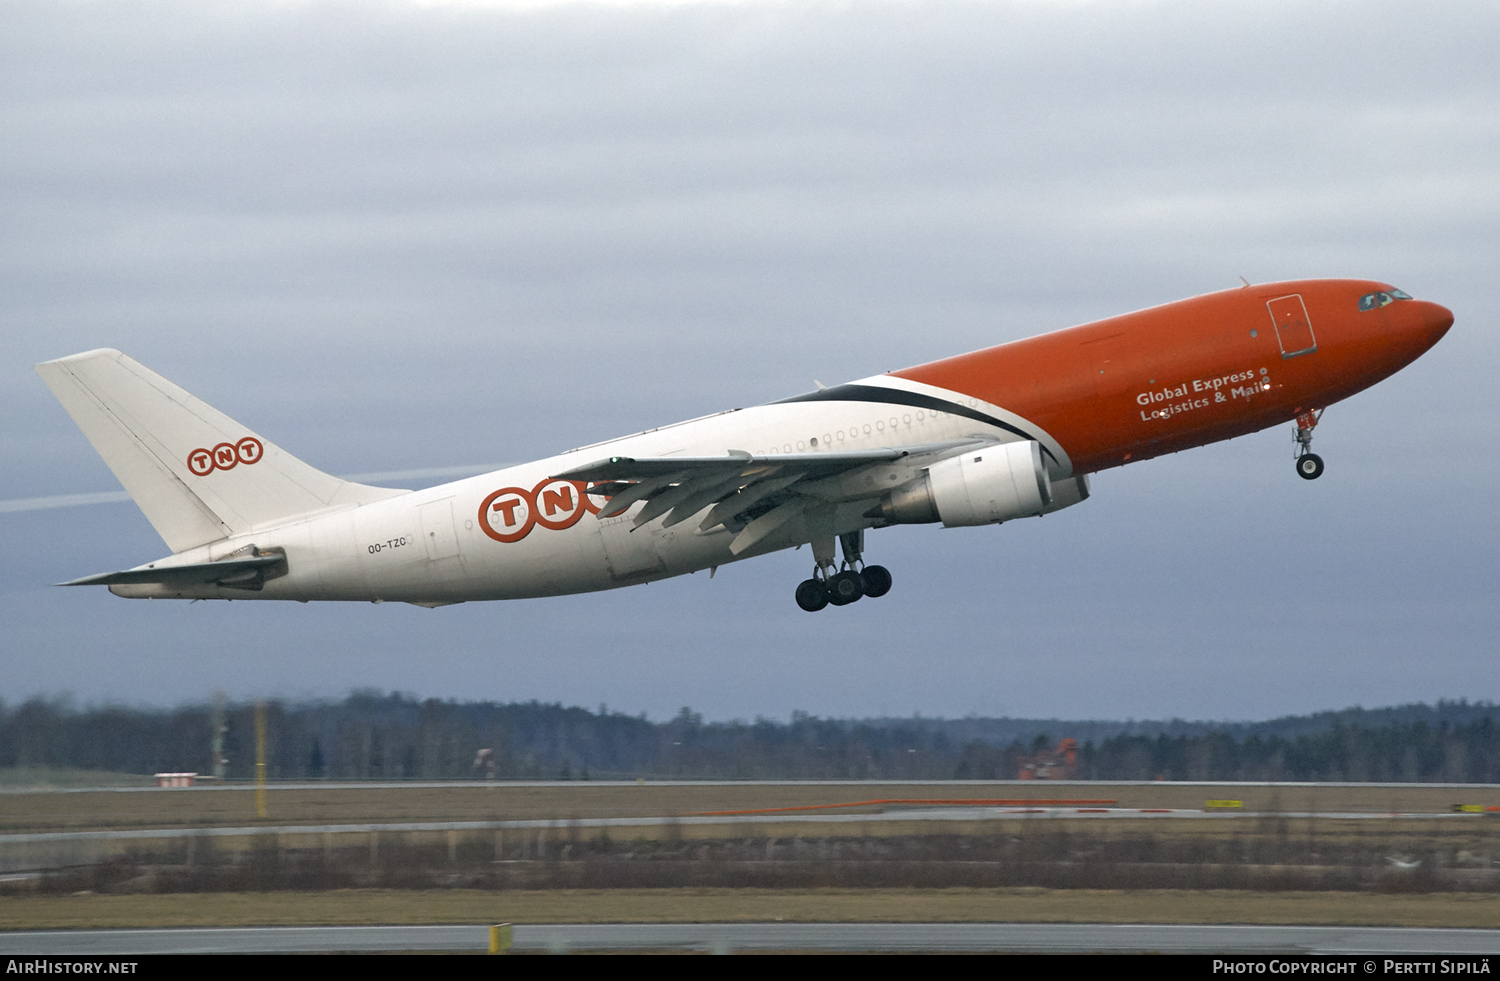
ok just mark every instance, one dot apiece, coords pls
pixel 840 585
pixel 1309 464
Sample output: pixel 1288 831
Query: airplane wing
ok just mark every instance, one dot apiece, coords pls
pixel 247 573
pixel 751 496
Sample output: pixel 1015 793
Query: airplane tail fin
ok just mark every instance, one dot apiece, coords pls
pixel 196 474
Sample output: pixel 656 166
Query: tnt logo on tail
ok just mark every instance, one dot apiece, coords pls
pixel 225 456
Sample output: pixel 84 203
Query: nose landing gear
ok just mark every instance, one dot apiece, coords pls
pixel 842 585
pixel 1309 464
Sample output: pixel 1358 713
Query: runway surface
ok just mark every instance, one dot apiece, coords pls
pixel 729 937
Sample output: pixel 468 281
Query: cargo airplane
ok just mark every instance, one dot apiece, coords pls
pixel 1008 432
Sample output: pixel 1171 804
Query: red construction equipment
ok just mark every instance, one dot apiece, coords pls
pixel 175 779
pixel 1058 764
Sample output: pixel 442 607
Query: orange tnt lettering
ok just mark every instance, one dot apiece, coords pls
pixel 560 499
pixel 509 507
pixel 225 458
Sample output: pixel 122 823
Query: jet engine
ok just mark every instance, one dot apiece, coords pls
pixel 981 487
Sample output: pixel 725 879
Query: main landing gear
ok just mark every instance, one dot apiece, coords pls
pixel 1309 464
pixel 842 585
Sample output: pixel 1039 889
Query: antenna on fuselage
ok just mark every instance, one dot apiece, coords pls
pixel 1246 282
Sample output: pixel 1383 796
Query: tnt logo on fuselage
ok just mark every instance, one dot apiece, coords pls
pixel 225 456
pixel 509 514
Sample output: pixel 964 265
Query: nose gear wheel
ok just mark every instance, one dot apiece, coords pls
pixel 1309 464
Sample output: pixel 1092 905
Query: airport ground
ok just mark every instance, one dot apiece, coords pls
pixel 1376 855
pixel 689 905
pixel 70 809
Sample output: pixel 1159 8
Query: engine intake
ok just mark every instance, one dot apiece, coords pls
pixel 982 487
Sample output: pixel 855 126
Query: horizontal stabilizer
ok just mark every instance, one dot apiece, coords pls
pixel 227 572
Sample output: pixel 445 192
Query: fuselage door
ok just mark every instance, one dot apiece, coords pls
pixel 438 533
pixel 1293 328
pixel 631 551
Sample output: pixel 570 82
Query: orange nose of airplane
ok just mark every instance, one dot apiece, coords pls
pixel 1417 326
pixel 1437 320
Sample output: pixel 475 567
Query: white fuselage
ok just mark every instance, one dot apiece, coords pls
pixel 432 547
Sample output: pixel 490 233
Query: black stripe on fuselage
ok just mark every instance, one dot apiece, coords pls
pixel 896 396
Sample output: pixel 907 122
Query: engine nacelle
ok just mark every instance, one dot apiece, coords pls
pixel 997 483
pixel 982 487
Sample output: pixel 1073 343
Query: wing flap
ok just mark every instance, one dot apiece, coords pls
pixel 765 525
pixel 745 499
pixel 703 496
pixel 699 489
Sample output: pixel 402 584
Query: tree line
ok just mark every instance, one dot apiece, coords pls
pixel 373 736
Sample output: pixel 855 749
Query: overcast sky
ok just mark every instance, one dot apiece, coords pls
pixel 415 235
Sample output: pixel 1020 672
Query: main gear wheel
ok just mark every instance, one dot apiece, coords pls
pixel 812 595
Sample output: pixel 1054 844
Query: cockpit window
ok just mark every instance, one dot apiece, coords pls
pixel 1371 301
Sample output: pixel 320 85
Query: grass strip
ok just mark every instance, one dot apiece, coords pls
pixel 385 906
